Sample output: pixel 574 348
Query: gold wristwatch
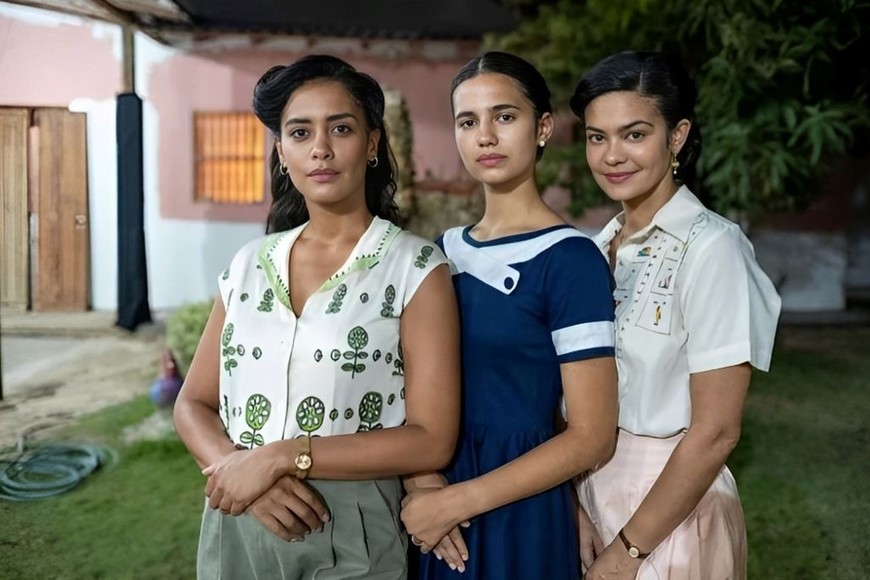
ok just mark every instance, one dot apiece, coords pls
pixel 633 551
pixel 303 461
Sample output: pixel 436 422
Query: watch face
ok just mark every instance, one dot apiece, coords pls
pixel 303 461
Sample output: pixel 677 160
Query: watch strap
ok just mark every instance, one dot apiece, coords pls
pixel 633 551
pixel 303 460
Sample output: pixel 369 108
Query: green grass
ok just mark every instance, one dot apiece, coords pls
pixel 803 463
pixel 802 466
pixel 138 518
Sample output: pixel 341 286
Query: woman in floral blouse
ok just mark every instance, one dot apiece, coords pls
pixel 330 363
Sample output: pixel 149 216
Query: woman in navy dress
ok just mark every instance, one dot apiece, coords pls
pixel 537 312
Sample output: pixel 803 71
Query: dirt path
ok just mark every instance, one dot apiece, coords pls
pixel 52 381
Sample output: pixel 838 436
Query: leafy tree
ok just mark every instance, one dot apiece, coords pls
pixel 783 86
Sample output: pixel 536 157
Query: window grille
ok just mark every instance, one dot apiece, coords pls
pixel 230 158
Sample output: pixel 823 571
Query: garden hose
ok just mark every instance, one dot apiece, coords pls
pixel 50 470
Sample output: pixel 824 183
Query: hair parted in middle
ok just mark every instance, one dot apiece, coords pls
pixel 527 78
pixel 271 94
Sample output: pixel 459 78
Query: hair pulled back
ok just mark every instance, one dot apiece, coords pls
pixel 271 94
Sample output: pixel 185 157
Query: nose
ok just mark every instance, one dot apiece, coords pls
pixel 320 147
pixel 614 154
pixel 486 135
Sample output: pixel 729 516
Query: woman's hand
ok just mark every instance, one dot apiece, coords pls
pixel 290 509
pixel 239 478
pixel 614 563
pixel 431 514
pixel 451 548
pixel 590 542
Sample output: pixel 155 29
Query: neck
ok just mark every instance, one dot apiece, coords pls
pixel 513 210
pixel 639 212
pixel 327 226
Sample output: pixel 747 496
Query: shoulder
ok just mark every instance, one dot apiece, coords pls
pixel 715 233
pixel 410 243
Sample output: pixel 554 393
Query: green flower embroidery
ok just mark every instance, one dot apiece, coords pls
pixel 335 354
pixel 387 305
pixel 398 363
pixel 225 274
pixel 229 352
pixel 391 399
pixel 257 352
pixel 318 355
pixel 357 339
pixel 333 415
pixel 226 406
pixel 348 413
pixel 309 414
pixel 423 258
pixel 337 297
pixel 257 412
pixel 267 301
pixel 370 411
pixel 364 297
pixel 244 296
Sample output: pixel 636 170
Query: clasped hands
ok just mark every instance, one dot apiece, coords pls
pixel 433 516
pixel 249 480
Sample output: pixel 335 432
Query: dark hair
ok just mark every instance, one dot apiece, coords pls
pixel 530 82
pixel 653 75
pixel 271 94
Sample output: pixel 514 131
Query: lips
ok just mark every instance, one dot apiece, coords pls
pixel 323 174
pixel 618 177
pixel 490 159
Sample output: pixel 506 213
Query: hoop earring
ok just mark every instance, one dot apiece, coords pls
pixel 373 162
pixel 674 163
pixel 282 169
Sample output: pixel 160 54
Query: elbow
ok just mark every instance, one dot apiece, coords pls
pixel 720 440
pixel 604 448
pixel 438 452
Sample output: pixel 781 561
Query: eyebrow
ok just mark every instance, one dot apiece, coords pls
pixel 621 129
pixel 494 109
pixel 329 119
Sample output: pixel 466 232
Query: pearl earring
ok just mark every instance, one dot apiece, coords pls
pixel 541 143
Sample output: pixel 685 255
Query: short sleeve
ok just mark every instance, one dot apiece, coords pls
pixel 730 306
pixel 234 275
pixel 579 300
pixel 423 257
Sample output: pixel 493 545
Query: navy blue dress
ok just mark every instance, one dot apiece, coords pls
pixel 528 303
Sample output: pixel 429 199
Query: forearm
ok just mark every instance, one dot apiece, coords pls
pixel 409 449
pixel 688 474
pixel 548 465
pixel 422 481
pixel 201 431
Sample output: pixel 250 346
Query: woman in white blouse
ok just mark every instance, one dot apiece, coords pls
pixel 330 363
pixel 694 313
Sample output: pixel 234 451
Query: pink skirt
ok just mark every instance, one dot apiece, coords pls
pixel 710 544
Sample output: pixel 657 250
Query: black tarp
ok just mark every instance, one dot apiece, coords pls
pixel 133 308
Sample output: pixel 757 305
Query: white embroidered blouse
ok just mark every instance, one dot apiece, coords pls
pixel 690 297
pixel 335 369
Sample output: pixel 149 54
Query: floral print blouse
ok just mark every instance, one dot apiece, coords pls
pixel 335 369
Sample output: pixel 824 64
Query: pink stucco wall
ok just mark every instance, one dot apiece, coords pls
pixel 224 80
pixel 49 66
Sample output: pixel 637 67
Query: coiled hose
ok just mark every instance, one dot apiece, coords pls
pixel 50 470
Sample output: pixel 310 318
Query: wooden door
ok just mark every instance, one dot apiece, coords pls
pixel 61 206
pixel 14 231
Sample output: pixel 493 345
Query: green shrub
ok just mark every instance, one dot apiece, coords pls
pixel 183 329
